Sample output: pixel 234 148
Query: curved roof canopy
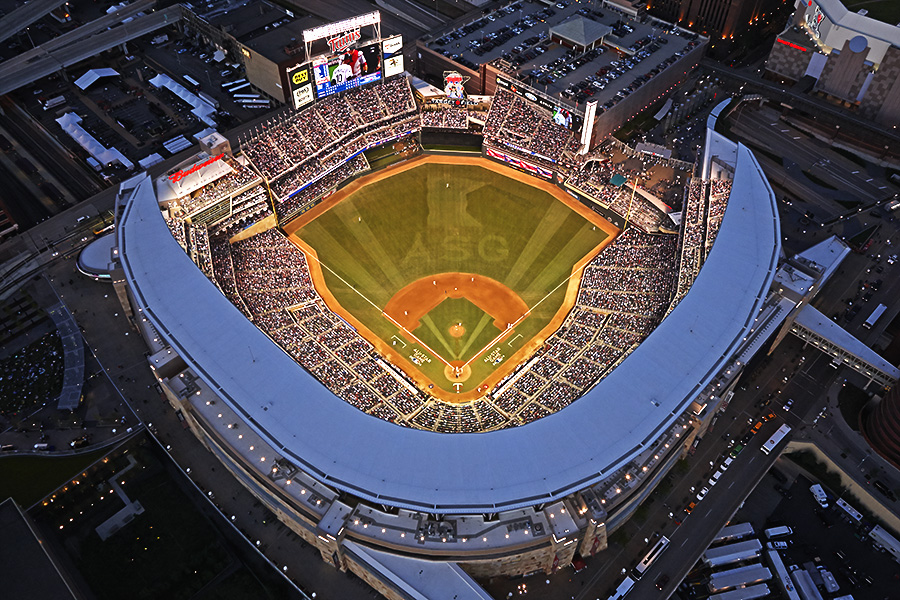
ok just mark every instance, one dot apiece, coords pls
pixel 461 473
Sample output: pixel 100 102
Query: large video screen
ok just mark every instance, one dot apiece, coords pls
pixel 561 115
pixel 347 69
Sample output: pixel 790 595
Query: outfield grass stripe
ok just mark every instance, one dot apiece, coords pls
pixel 540 281
pixel 370 242
pixel 361 277
pixel 429 324
pixel 537 242
pixel 482 323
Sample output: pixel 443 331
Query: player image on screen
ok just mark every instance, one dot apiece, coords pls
pixel 342 73
pixel 562 117
pixel 348 69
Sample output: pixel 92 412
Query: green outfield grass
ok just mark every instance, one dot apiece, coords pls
pixel 440 218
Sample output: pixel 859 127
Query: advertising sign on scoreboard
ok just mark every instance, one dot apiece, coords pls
pixel 346 67
pixel 392 50
pixel 300 86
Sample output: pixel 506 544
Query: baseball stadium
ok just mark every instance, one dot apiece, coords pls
pixel 475 358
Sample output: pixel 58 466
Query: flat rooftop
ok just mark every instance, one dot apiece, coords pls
pixel 553 70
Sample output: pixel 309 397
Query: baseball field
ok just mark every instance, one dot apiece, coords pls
pixel 455 268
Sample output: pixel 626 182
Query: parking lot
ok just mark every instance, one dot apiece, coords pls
pixel 824 537
pixel 519 35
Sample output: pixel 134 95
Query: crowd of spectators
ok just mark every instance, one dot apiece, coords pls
pixel 624 293
pixel 719 190
pixel 199 248
pixel 593 181
pixel 446 117
pixel 246 209
pixel 300 147
pixel 235 182
pixel 520 126
pixel 318 188
pixel 704 207
pixel 176 228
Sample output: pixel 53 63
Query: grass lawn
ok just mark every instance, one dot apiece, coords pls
pixel 450 218
pixel 30 478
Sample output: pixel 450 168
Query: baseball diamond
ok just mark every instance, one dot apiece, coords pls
pixel 457 259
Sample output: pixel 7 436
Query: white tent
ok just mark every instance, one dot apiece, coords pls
pixel 86 80
pixel 71 124
pixel 201 109
pixel 151 160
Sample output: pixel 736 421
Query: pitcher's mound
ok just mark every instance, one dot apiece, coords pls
pixel 457 330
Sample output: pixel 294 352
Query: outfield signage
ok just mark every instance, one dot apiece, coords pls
pixel 345 40
pixel 518 163
pixel 176 177
pixel 561 116
pixel 392 54
pixel 300 86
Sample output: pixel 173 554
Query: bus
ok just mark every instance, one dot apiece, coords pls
pixel 651 557
pixel 227 84
pixel 776 438
pixel 193 83
pixel 623 589
pixel 54 102
pixel 873 318
pixel 734 532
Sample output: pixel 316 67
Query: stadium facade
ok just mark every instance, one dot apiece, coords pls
pixel 848 57
pixel 370 494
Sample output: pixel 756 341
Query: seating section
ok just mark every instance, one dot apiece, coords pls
pixel 624 292
pixel 300 149
pixel 524 129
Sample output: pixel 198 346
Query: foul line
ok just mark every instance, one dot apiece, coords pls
pixel 512 326
pixel 387 316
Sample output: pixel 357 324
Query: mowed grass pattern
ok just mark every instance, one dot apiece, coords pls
pixel 479 329
pixel 440 218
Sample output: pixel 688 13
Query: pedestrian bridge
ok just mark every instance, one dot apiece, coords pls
pixel 817 330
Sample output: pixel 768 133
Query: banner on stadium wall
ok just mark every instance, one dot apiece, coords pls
pixel 518 163
pixel 392 54
pixel 300 86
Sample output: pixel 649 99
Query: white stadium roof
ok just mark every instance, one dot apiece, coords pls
pixel 461 473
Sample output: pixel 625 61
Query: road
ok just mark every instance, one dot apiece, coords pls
pixel 768 131
pixel 779 92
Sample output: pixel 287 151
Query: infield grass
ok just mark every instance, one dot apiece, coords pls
pixel 445 218
pixel 478 325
